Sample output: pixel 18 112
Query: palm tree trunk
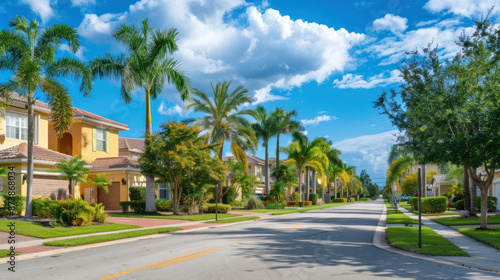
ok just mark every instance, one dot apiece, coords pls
pixel 278 153
pixel 335 185
pixel 266 167
pixel 307 184
pixel 466 190
pixel 150 181
pixel 69 188
pixel 218 188
pixel 300 183
pixel 29 175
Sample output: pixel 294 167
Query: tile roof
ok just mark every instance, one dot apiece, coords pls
pixel 76 112
pixel 115 162
pixel 250 159
pixel 131 144
pixel 21 151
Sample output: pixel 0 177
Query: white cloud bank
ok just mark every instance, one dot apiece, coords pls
pixel 464 8
pixel 173 110
pixel 358 81
pixel 317 120
pixel 41 8
pixel 393 23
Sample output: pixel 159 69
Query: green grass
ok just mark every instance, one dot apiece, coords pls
pixel 431 214
pixel 309 208
pixel 39 231
pixel 490 237
pixel 399 218
pixel 6 253
pixel 433 244
pixel 232 220
pixel 200 217
pixel 263 210
pixel 108 237
pixel 459 221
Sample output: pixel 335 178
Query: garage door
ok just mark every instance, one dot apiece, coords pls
pixel 111 200
pixel 51 186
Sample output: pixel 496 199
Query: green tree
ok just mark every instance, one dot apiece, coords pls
pixel 225 122
pixel 178 155
pixel 29 52
pixel 409 186
pixel 73 170
pixel 100 183
pixel 240 179
pixel 146 65
pixel 334 165
pixel 285 125
pixel 265 128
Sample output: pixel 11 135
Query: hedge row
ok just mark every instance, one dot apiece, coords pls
pixel 298 203
pixel 437 204
pixel 337 200
pixel 221 208
pixel 313 197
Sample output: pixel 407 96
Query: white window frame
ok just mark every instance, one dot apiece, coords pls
pixel 19 118
pixel 98 140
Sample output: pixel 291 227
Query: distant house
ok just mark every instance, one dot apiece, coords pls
pixel 255 167
pixel 438 186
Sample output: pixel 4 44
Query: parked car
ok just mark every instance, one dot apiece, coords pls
pixel 261 196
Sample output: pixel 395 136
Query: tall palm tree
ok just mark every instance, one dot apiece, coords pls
pixel 224 122
pixel 73 170
pixel 265 128
pixel 286 125
pixel 29 52
pixel 303 155
pixel 146 65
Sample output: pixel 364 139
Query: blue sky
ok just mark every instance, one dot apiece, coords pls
pixel 329 60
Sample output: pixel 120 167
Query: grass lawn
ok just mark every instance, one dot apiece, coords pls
pixel 232 220
pixel 433 244
pixel 200 217
pixel 431 214
pixel 6 253
pixel 39 231
pixel 490 237
pixel 399 218
pixel 108 237
pixel 459 221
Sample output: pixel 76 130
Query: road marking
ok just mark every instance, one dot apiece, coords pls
pixel 236 243
pixel 321 220
pixel 294 227
pixel 163 263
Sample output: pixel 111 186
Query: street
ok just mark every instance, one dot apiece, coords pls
pixel 322 244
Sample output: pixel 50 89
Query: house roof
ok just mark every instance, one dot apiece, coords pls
pixel 39 153
pixel 250 159
pixel 440 179
pixel 77 113
pixel 131 144
pixel 115 162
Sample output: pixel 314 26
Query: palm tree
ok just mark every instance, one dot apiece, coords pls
pixel 146 65
pixel 303 155
pixel 29 52
pixel 286 125
pixel 73 170
pixel 265 128
pixel 100 182
pixel 224 122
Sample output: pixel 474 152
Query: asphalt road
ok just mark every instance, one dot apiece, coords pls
pixel 323 244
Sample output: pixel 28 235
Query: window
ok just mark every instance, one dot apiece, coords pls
pixel 100 139
pixel 164 192
pixel 258 172
pixel 16 126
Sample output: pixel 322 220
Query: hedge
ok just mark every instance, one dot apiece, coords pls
pixel 339 200
pixel 460 205
pixel 163 205
pixel 413 202
pixel 138 206
pixel 298 203
pixel 221 208
pixel 137 193
pixel 437 204
pixel 296 196
pixel 492 203
pixel 46 208
pixel 313 197
pixel 18 204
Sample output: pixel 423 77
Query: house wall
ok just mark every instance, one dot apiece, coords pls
pixel 41 118
pixel 133 178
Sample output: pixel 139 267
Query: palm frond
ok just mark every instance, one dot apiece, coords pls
pixel 60 102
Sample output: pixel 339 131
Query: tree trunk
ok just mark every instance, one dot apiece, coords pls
pixel 307 184
pixel 150 181
pixel 218 187
pixel 70 189
pixel 266 167
pixel 335 185
pixel 300 183
pixel 342 191
pixel 466 190
pixel 278 153
pixel 484 208
pixel 484 186
pixel 314 181
pixel 98 191
pixel 29 175
pixel 473 195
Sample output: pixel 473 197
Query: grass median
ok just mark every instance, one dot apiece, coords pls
pixel 433 244
pixel 6 253
pixel 197 217
pixel 399 218
pixel 232 220
pixel 108 237
pixel 459 221
pixel 490 237
pixel 39 231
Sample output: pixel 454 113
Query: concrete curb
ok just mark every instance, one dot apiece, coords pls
pixel 378 240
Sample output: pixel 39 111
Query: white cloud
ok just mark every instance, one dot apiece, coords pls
pixel 41 8
pixel 368 152
pixel 82 2
pixel 464 8
pixel 305 132
pixel 326 136
pixel 322 112
pixel 358 81
pixel 268 52
pixel 228 154
pixel 173 110
pixel 79 53
pixel 426 23
pixel 391 22
pixel 317 120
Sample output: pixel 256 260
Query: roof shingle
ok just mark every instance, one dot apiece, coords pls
pixel 115 162
pixel 131 144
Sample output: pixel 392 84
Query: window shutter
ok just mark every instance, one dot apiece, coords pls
pixel 107 141
pixel 94 139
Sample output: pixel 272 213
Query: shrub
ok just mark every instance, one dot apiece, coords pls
pixel 365 199
pixel 437 204
pixel 413 202
pixel 230 196
pixel 221 208
pixel 137 193
pixel 238 204
pixel 138 206
pixel 163 205
pixel 253 202
pixel 292 203
pixel 296 196
pixel 339 200
pixel 99 215
pixel 46 208
pixel 18 203
pixel 492 203
pixel 313 197
pixel 76 212
pixel 459 205
pixel 125 206
pixel 273 205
